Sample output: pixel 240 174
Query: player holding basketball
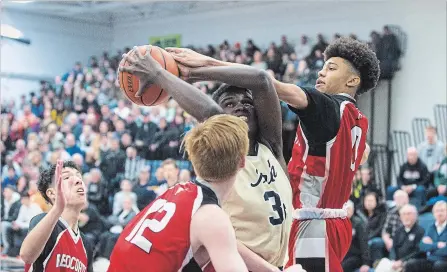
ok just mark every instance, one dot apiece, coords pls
pixel 329 147
pixel 260 203
pixel 54 242
pixel 186 220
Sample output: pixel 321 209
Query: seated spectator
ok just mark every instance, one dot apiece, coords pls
pixel 357 257
pixel 406 241
pixel 78 159
pixel 133 164
pixel 412 179
pixel 362 184
pixel 431 151
pixel 117 222
pixel 97 193
pixel 71 147
pixel 22 184
pixel 440 180
pixel 373 214
pixel 11 178
pixel 126 191
pixel 258 62
pixel 8 164
pixel 433 243
pixel 171 175
pixel 392 223
pixel 91 223
pixel 16 232
pixel 143 190
pixel 10 212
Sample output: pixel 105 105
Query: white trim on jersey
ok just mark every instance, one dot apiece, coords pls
pixel 197 203
pixel 51 252
pixel 74 236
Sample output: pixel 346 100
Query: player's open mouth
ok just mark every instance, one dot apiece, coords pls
pixel 80 191
pixel 243 118
pixel 319 82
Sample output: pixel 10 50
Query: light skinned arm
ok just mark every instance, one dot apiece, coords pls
pixel 37 238
pixel 253 261
pixel 218 238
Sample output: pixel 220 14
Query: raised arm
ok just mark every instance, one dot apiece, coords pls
pixel 192 100
pixel 265 99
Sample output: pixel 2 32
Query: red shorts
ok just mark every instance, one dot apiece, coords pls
pixel 320 245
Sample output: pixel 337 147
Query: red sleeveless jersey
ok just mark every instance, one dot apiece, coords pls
pixel 158 238
pixel 328 149
pixel 64 251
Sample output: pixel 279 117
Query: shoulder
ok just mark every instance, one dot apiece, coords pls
pixel 219 223
pixel 36 219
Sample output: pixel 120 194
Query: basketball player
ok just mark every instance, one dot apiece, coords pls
pixel 186 220
pixel 260 203
pixel 329 147
pixel 54 242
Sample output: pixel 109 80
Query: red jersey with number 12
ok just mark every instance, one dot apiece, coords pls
pixel 158 238
pixel 321 174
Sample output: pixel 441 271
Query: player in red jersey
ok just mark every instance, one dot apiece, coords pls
pixel 184 228
pixel 329 147
pixel 54 242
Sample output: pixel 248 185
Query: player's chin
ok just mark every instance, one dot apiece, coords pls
pixel 320 87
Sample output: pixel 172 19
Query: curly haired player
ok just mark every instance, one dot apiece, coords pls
pixel 330 145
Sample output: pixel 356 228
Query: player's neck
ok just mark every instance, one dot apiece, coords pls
pixel 222 187
pixel 71 216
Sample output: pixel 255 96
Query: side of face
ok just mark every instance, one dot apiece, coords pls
pixel 238 102
pixel 440 212
pixel 336 76
pixel 370 202
pixel 170 172
pixel 408 217
pixel 73 187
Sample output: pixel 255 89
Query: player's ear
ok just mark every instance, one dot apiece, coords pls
pixel 51 194
pixel 242 162
pixel 353 81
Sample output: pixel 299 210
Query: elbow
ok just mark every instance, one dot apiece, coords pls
pixel 265 80
pixel 26 256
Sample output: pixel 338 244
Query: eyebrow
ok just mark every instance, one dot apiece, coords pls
pixel 330 62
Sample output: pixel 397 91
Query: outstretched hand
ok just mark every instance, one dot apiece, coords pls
pixel 62 190
pixel 189 58
pixel 144 66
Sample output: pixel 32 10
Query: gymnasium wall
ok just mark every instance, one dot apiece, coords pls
pixel 417 87
pixel 55 45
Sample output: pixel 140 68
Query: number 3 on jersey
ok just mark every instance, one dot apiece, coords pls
pixel 356 135
pixel 278 207
pixel 136 236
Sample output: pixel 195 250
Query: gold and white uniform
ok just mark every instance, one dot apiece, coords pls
pixel 260 206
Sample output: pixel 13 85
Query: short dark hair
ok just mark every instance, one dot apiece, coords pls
pixel 223 89
pixel 361 57
pixel 47 175
pixel 169 161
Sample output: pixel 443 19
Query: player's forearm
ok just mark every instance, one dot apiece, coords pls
pixel 253 261
pixel 291 94
pixel 241 76
pixel 194 102
pixel 36 239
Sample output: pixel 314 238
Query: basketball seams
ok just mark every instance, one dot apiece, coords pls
pixel 161 91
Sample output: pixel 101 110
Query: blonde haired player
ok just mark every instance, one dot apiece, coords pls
pixel 186 220
pixel 260 203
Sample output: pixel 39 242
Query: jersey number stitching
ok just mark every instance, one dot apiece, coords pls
pixel 278 207
pixel 136 236
pixel 356 135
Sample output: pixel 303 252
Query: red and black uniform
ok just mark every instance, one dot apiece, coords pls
pixel 328 149
pixel 158 238
pixel 65 250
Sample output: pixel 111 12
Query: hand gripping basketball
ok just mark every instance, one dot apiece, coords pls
pixel 144 66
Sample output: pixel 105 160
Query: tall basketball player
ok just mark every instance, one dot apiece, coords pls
pixel 54 242
pixel 329 146
pixel 260 203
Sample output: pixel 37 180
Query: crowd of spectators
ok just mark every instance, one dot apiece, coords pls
pixel 129 154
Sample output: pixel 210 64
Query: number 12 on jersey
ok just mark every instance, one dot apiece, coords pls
pixel 136 236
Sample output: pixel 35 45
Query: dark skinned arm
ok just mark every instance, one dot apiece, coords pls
pixel 265 99
pixel 191 99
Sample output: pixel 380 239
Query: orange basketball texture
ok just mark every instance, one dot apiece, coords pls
pixel 153 95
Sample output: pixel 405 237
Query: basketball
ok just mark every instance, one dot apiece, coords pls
pixel 153 95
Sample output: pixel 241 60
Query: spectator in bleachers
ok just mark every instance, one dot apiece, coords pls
pixel 133 164
pixel 285 48
pixel 431 151
pixel 10 211
pixel 70 145
pixel 303 49
pixel 112 161
pixel 433 243
pixel 362 184
pixel 97 191
pixel 20 153
pixel 125 192
pixel 171 175
pixel 412 179
pixel 36 197
pixel 357 257
pixel 405 243
pixel 8 164
pixel 373 213
pixel 22 184
pixel 184 176
pixel 11 178
pixel 143 189
pixel 250 50
pixel 258 62
pixel 91 223
pixel 16 232
pixel 388 53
